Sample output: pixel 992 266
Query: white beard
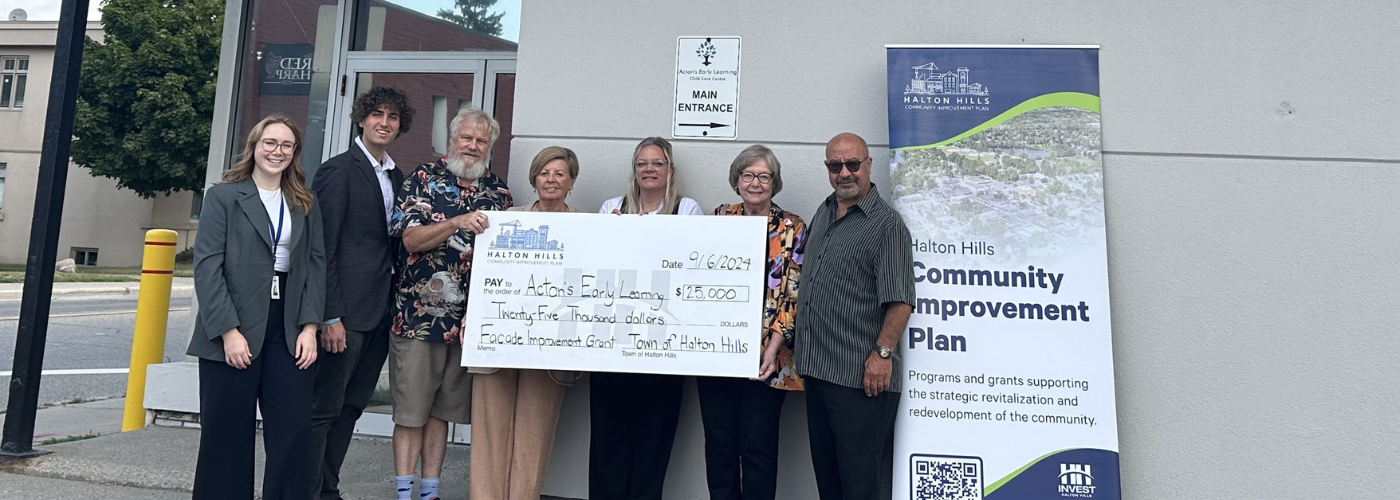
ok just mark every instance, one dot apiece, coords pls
pixel 458 166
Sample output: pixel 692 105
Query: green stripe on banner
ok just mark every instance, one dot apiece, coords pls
pixel 1055 100
pixel 1017 472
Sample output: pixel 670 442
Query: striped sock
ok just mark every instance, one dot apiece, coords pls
pixel 405 485
pixel 427 490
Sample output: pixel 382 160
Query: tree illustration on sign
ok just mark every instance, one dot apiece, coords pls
pixel 707 50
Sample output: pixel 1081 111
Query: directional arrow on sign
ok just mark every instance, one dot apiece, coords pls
pixel 710 125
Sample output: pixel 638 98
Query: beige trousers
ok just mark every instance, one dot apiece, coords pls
pixel 513 417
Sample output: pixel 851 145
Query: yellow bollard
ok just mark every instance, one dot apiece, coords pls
pixel 152 314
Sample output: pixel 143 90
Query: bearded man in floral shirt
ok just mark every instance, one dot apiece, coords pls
pixel 438 218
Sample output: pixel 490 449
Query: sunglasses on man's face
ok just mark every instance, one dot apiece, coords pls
pixel 835 166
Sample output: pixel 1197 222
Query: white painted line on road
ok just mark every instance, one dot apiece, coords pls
pixel 80 371
pixel 104 313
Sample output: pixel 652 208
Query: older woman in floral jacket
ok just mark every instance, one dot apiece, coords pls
pixel 741 416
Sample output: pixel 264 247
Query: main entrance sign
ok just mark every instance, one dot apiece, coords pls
pixel 707 88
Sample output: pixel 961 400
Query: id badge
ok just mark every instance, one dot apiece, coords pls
pixel 276 287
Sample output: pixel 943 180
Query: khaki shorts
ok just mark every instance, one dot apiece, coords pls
pixel 427 380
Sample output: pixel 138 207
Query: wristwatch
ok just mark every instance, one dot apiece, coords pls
pixel 883 352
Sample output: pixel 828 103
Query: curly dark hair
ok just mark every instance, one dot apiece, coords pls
pixel 392 97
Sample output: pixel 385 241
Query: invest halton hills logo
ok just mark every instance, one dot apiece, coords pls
pixel 1076 481
pixel 512 237
pixel 929 81
pixel 706 51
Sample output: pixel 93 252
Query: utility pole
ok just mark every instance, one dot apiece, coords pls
pixel 18 438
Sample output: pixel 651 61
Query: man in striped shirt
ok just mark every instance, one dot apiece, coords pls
pixel 855 298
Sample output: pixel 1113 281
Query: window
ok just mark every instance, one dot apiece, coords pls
pixel 2 185
pixel 196 204
pixel 85 256
pixel 14 70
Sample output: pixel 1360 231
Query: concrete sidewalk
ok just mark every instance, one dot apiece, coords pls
pixel 158 462
pixel 162 459
pixel 18 486
pixel 178 287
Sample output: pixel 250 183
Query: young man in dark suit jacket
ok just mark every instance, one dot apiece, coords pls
pixel 355 191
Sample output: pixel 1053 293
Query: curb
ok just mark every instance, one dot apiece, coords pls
pixel 175 291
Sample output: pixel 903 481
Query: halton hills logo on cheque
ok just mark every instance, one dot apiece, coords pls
pixel 516 242
pixel 1076 481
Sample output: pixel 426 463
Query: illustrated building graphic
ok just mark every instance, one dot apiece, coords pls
pixel 928 80
pixel 514 238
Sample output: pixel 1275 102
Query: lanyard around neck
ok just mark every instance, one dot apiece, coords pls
pixel 277 233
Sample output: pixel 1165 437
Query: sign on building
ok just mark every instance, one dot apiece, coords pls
pixel 286 69
pixel 707 88
pixel 997 167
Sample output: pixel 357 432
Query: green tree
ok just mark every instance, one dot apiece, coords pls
pixel 146 94
pixel 475 15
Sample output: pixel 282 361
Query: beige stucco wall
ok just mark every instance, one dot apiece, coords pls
pixel 1249 171
pixel 96 214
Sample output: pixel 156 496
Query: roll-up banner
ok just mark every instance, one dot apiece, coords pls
pixel 1008 358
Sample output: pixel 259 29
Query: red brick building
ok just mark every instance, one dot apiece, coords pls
pixel 299 32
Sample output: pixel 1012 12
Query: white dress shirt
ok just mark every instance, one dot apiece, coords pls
pixel 386 187
pixel 687 206
pixel 276 204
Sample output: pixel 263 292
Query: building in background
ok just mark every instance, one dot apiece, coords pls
pixel 101 223
pixel 281 64
pixel 308 59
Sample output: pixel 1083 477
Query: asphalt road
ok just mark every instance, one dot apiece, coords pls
pixel 92 332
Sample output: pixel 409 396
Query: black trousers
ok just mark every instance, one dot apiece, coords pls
pixel 852 439
pixel 741 437
pixel 344 384
pixel 228 401
pixel 633 423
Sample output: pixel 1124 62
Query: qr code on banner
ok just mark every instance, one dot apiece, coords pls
pixel 939 477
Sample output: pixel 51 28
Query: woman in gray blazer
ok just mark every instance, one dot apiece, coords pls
pixel 260 277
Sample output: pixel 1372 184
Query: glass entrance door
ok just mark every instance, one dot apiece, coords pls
pixel 438 84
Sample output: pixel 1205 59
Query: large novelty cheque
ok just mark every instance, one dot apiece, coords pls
pixel 680 295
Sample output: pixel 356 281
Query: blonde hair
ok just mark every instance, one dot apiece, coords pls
pixel 632 202
pixel 550 154
pixel 293 177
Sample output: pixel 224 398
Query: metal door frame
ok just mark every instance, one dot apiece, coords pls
pixel 482 66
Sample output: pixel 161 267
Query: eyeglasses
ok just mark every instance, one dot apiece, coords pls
pixel 748 177
pixel 270 145
pixel 641 164
pixel 852 164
